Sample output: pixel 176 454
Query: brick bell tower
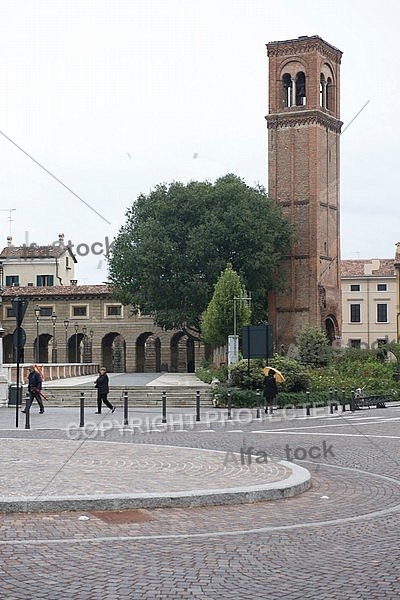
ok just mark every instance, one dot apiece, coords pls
pixel 303 178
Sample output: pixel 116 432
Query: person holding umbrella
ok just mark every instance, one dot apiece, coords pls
pixel 270 390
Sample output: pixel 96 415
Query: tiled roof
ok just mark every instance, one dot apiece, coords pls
pixel 33 251
pixel 375 267
pixel 57 290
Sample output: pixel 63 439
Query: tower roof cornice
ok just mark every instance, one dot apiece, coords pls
pixel 304 44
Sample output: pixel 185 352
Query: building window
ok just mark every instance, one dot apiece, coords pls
pixel 381 287
pixel 12 280
pixel 355 287
pixel 300 89
pixel 355 313
pixel 79 311
pixel 381 313
pixel 44 280
pixel 10 312
pixel 114 310
pixel 356 344
pixel 46 311
pixel 287 90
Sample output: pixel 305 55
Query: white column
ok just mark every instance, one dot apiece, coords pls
pixel 293 101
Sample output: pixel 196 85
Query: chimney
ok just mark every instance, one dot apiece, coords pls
pixel 61 239
pixel 9 241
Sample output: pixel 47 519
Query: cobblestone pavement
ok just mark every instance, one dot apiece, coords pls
pixel 338 540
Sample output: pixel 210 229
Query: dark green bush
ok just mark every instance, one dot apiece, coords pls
pixel 295 374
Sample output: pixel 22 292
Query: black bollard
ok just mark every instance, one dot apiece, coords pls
pixel 164 407
pixel 229 407
pixel 308 403
pixel 126 421
pixel 336 401
pixel 27 410
pixel 343 400
pixel 82 410
pixel 197 406
pixel 352 402
pixel 258 405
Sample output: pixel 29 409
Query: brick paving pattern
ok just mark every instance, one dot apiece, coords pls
pixel 338 540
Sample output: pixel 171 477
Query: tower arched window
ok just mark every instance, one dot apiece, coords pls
pixel 322 91
pixel 287 90
pixel 329 94
pixel 300 89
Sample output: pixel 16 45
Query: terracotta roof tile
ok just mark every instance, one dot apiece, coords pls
pixel 33 251
pixel 376 267
pixel 58 290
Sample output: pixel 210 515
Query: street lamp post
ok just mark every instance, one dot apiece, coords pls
pixel 233 340
pixel 54 351
pixel 3 378
pixel 37 310
pixel 76 327
pixel 84 357
pixel 91 334
pixel 66 323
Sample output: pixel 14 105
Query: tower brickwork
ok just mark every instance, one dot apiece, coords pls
pixel 303 178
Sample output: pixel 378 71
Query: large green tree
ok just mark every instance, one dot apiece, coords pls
pixel 177 239
pixel 226 303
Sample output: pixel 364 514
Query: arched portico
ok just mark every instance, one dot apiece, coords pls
pixel 113 352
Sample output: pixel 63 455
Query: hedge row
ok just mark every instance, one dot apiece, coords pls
pixel 253 398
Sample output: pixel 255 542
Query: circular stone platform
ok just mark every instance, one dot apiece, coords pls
pixel 54 475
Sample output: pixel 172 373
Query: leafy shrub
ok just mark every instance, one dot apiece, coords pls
pixel 295 374
pixel 207 374
pixel 240 398
pixel 240 374
pixel 313 346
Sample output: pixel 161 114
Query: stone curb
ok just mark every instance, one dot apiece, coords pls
pixel 295 484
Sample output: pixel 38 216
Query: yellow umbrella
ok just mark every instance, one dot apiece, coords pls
pixel 277 374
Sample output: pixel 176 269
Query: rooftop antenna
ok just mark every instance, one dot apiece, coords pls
pixel 9 210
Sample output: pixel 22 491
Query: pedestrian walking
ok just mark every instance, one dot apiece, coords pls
pixel 102 384
pixel 34 387
pixel 270 390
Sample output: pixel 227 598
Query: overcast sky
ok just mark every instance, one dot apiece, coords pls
pixel 115 96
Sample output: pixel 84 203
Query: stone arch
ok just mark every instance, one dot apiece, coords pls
pixel 148 353
pixel 293 78
pixel 8 349
pixel 331 328
pixel 182 353
pixel 45 348
pixel 75 348
pixel 300 89
pixel 326 88
pixel 113 352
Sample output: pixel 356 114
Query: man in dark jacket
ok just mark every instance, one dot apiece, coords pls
pixel 270 390
pixel 102 390
pixel 34 387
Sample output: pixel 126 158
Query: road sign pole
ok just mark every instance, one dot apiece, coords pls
pixel 17 379
pixel 19 306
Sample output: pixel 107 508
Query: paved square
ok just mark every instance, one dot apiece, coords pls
pixel 339 539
